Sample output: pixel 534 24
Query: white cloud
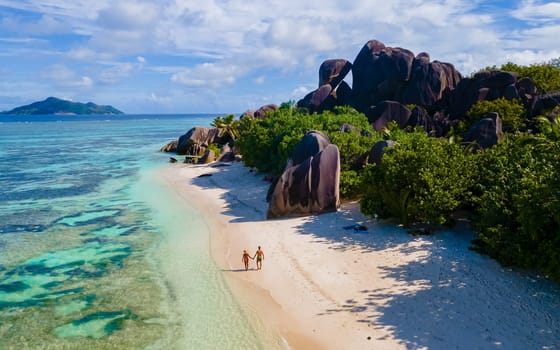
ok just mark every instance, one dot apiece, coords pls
pixel 45 25
pixel 85 81
pixel 300 91
pixel 208 75
pixel 215 44
pixel 299 33
pixel 21 40
pixel 59 8
pixel 116 73
pixel 129 15
pixel 63 76
pixel 537 11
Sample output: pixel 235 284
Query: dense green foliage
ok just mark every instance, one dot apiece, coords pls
pixel 546 76
pixel 420 179
pixel 518 211
pixel 267 144
pixel 549 126
pixel 511 190
pixel 511 113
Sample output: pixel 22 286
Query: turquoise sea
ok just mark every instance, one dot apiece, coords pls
pixel 86 241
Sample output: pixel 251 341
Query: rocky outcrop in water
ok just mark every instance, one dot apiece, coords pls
pixel 196 140
pixel 171 146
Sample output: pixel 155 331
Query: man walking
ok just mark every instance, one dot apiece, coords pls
pixel 260 257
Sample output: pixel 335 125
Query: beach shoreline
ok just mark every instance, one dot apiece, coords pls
pixel 326 286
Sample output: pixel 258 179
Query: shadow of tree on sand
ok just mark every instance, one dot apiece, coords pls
pixel 447 296
pixel 249 206
pixel 444 297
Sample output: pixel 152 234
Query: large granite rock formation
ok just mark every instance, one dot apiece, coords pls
pixel 392 73
pixel 542 104
pixel 171 146
pixel 384 78
pixel 309 184
pixel 380 115
pixel 386 81
pixel 333 71
pixel 196 140
pixel 332 90
pixel 429 81
pixel 261 112
pixel 483 86
pixel 319 100
pixel 380 73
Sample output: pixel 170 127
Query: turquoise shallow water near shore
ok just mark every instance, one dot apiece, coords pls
pixel 95 252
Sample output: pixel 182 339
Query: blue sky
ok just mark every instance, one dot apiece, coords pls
pixel 227 56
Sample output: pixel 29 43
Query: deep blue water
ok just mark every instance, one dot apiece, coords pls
pixel 79 238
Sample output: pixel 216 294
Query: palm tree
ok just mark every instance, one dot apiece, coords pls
pixel 227 126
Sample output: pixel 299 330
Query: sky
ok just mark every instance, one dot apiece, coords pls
pixel 229 56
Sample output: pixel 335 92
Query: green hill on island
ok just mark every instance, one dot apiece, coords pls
pixel 53 105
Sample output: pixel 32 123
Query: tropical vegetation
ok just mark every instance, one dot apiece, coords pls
pixel 510 191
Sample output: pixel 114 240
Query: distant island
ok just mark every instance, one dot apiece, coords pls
pixel 53 105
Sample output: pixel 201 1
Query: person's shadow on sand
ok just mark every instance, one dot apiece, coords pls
pixel 239 270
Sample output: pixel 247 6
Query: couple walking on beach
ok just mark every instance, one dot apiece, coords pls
pixel 259 254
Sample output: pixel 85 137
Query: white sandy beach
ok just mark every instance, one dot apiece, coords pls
pixel 326 287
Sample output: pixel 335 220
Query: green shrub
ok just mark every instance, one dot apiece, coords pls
pixel 420 179
pixel 214 147
pixel 545 76
pixel 518 213
pixel 511 113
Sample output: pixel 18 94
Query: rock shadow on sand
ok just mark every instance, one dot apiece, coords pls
pixel 447 297
pixel 248 205
pixel 441 296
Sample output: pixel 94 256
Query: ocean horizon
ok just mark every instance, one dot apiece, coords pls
pixel 86 240
pixel 90 117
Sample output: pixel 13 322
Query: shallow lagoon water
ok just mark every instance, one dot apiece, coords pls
pixel 96 253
